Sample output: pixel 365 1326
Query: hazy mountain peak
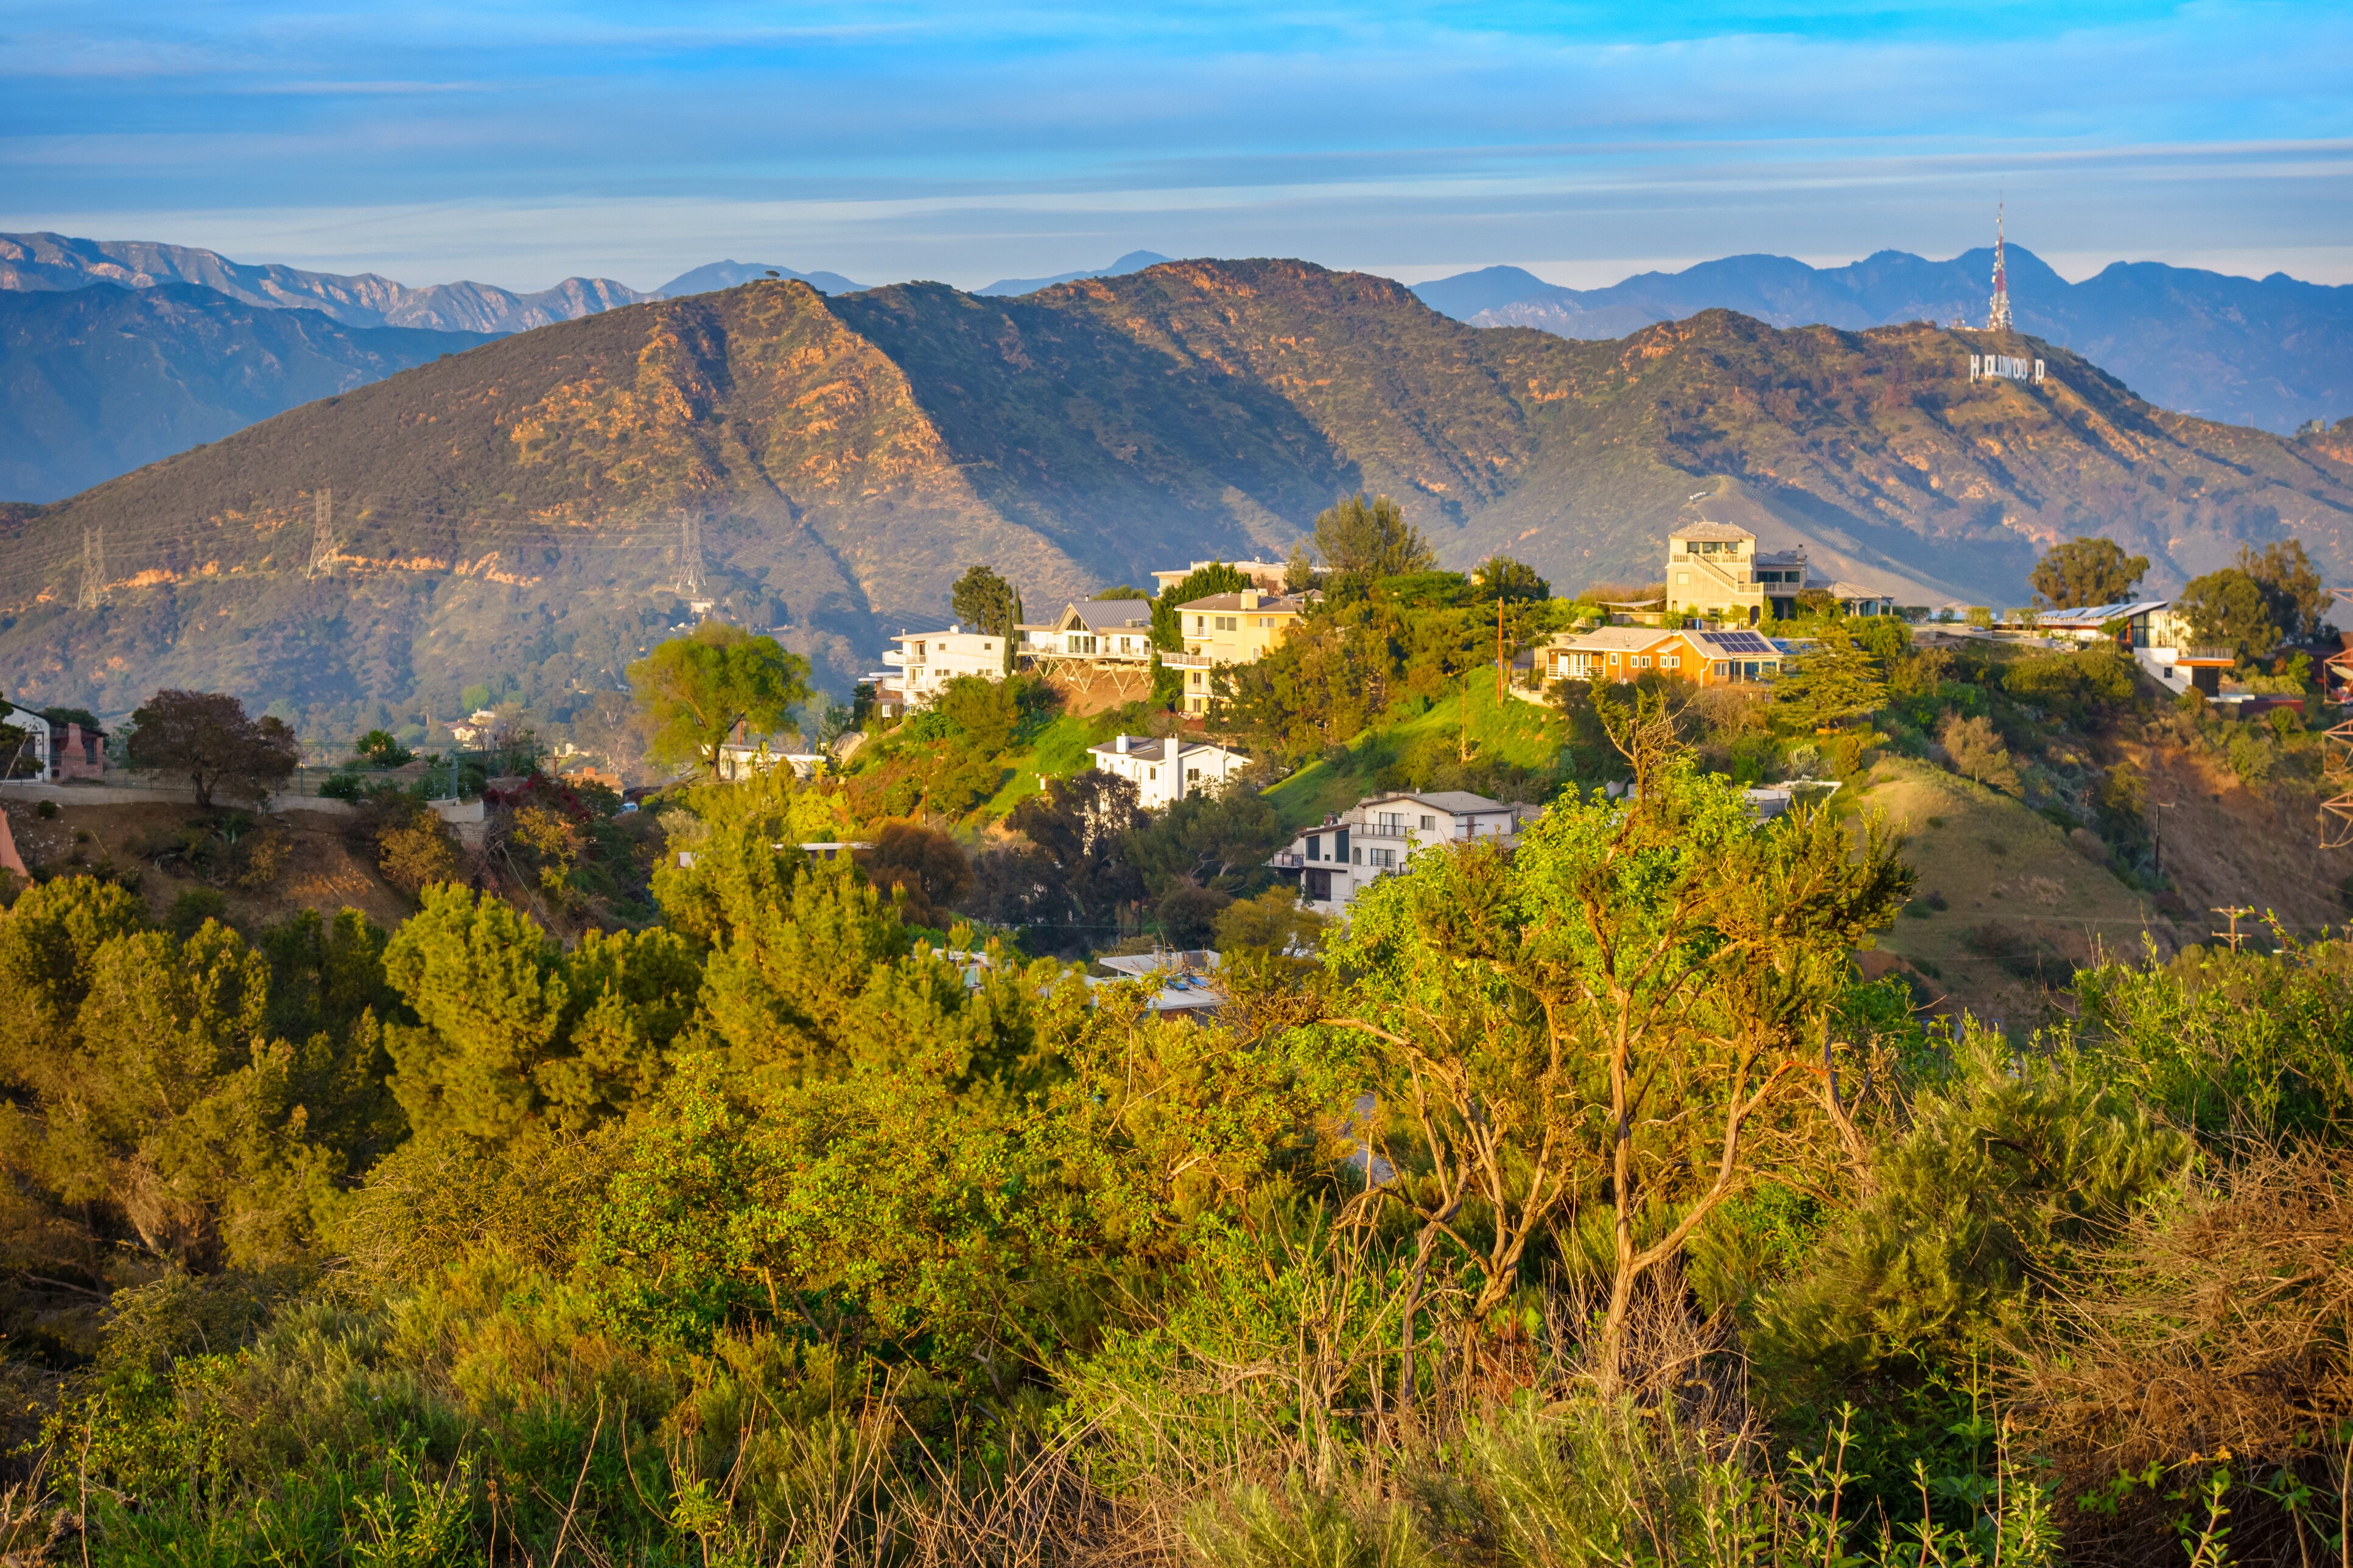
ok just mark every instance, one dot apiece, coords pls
pixel 1134 261
pixel 715 275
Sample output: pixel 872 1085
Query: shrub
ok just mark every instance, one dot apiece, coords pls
pixel 193 908
pixel 1977 754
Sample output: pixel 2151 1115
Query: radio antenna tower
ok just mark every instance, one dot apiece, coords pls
pixel 93 569
pixel 1997 316
pixel 689 580
pixel 323 541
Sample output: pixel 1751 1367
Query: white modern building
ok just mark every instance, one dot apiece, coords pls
pixel 1346 854
pixel 925 662
pixel 1267 575
pixel 2159 640
pixel 1165 770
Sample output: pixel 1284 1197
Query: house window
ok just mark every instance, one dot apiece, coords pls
pixel 1154 774
pixel 1642 661
pixel 1192 775
pixel 1226 622
pixel 1316 846
pixel 1671 661
pixel 1386 859
pixel 1358 859
pixel 1390 823
pixel 1613 658
pixel 1197 678
pixel 1428 823
pixel 1722 668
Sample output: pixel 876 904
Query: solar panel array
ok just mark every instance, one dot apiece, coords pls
pixel 1747 643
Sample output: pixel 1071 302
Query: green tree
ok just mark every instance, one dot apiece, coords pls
pixel 515 1034
pixel 1299 573
pixel 1616 1007
pixel 983 600
pixel 206 738
pixel 1500 577
pixel 692 691
pixel 1370 539
pixel 2084 571
pixel 1167 634
pixel 1835 682
pixel 2230 609
pixel 1123 591
pixel 2290 586
pixel 378 749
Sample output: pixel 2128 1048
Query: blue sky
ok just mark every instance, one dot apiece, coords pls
pixel 517 143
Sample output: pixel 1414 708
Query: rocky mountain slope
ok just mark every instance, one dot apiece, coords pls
pixel 2273 352
pixel 519 513
pixel 98 381
pixel 42 262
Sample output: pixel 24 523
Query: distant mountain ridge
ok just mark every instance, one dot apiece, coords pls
pixel 95 381
pixel 42 262
pixel 718 275
pixel 517 512
pixel 2274 352
pixel 1134 261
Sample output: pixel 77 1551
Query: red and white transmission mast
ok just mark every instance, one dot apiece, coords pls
pixel 1997 316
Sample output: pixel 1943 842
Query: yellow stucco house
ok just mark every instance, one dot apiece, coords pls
pixel 1230 628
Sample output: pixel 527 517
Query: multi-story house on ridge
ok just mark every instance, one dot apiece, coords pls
pixel 927 661
pixel 1230 628
pixel 1337 859
pixel 1715 570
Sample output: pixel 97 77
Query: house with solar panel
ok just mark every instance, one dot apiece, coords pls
pixel 1734 657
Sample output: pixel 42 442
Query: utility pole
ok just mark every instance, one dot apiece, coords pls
pixel 322 538
pixel 1499 652
pixel 93 569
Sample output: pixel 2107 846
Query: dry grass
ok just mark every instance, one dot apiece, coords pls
pixel 2222 1326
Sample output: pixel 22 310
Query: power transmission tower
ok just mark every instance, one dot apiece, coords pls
pixel 323 540
pixel 689 580
pixel 93 569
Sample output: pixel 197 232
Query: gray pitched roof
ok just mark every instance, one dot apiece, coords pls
pixel 1704 529
pixel 1111 614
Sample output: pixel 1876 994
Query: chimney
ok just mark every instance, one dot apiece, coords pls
pixel 1119 744
pixel 1250 598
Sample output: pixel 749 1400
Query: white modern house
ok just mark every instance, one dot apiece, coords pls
pixel 1346 854
pixel 2159 640
pixel 925 662
pixel 1165 770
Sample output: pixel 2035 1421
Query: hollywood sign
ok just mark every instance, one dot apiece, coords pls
pixel 1985 367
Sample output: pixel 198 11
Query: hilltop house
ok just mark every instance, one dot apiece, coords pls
pixel 1347 853
pixel 1165 770
pixel 927 661
pixel 1266 575
pixel 52 750
pixel 1715 570
pixel 1230 628
pixel 1623 653
pixel 2159 640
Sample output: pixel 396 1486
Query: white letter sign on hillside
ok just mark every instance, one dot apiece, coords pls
pixel 1985 367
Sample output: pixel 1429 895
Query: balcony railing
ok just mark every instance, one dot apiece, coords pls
pixel 2205 656
pixel 1287 860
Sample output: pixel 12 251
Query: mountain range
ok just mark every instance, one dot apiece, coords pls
pixel 534 510
pixel 96 382
pixel 1134 261
pixel 2273 352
